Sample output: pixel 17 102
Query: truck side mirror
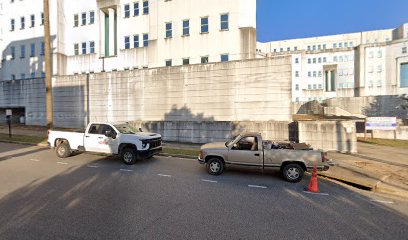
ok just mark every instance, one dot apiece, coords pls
pixel 108 133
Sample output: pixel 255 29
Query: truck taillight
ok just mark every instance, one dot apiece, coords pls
pixel 201 155
pixel 324 157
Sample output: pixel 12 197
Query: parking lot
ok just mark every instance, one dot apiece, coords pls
pixel 91 197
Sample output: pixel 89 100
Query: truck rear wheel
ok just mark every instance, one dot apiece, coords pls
pixel 128 156
pixel 293 173
pixel 215 166
pixel 63 150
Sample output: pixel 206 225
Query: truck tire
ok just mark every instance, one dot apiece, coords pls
pixel 215 166
pixel 128 156
pixel 293 172
pixel 63 150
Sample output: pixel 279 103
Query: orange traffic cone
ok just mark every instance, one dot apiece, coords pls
pixel 313 182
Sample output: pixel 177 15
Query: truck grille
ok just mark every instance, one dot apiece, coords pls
pixel 154 143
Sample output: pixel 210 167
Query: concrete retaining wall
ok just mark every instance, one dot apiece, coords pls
pixel 329 135
pixel 250 90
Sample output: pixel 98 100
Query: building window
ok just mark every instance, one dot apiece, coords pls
pixel 22 51
pixel 314 60
pixel 309 61
pixel 320 86
pixel 319 60
pixel 404 50
pixel 314 47
pixel 32 50
pixel 371 54
pixel 309 86
pixel 288 49
pixel 136 9
pixel 92 47
pixel 224 21
pixel 204 59
pixel 295 49
pixel 168 63
pixel 340 45
pixel 379 54
pixel 308 48
pixel 324 59
pixel 145 40
pixel 297 87
pixel 334 45
pixel 12 24
pixel 330 81
pixel 83 17
pixel 32 75
pixel 83 48
pixel 32 18
pixel 404 75
pixel 13 77
pixel 42 18
pixel 314 73
pixel 379 68
pixel 43 74
pixel 12 52
pixel 319 74
pixel 76 49
pixel 351 44
pixel 145 7
pixel 135 41
pixel 42 48
pixel 76 20
pixel 296 60
pixel 297 74
pixel 186 61
pixel 324 46
pixel 224 57
pixel 340 59
pixel 319 47
pixel 309 74
pixel 281 49
pixel 127 42
pixel 91 17
pixel 169 30
pixel 345 44
pixel 335 59
pixel 22 19
pixel 22 76
pixel 204 25
pixel 127 10
pixel 186 27
pixel 379 83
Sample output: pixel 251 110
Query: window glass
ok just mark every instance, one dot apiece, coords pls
pixel 404 75
pixel 127 10
pixel 83 16
pixel 127 42
pixel 32 18
pixel 136 9
pixel 145 7
pixel 168 30
pixel 224 57
pixel 204 59
pixel 76 21
pixel 204 25
pixel 186 61
pixel 136 41
pixel 12 24
pixel 83 48
pixel 168 63
pixel 247 144
pixel 91 47
pixel 95 129
pixel 145 40
pixel 186 27
pixel 224 21
pixel 91 17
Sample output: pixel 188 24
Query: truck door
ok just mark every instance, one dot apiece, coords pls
pixel 247 151
pixel 93 137
pixel 108 144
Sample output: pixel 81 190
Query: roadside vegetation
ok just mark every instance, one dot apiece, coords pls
pixel 385 142
pixel 23 139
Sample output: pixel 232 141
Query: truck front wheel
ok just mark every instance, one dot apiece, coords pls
pixel 215 166
pixel 128 156
pixel 293 173
pixel 63 150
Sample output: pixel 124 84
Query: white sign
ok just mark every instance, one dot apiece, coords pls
pixel 8 112
pixel 381 123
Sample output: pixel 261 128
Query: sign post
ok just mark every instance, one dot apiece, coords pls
pixel 9 113
pixel 381 123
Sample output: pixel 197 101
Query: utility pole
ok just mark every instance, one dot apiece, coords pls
pixel 48 70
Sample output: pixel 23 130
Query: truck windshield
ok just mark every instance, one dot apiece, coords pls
pixel 126 129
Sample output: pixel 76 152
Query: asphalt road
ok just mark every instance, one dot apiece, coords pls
pixel 94 197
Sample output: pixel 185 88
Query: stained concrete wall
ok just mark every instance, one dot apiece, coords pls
pixel 329 135
pixel 210 131
pixel 401 133
pixel 250 90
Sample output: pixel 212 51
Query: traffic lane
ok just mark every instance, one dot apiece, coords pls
pixel 106 202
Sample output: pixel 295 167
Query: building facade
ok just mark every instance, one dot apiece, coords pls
pixel 114 35
pixel 346 65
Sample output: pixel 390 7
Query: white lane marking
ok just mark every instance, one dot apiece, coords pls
pixel 257 186
pixel 210 181
pixel 163 175
pixel 63 163
pixel 316 193
pixel 34 160
pixel 381 201
pixel 92 166
pixel 126 170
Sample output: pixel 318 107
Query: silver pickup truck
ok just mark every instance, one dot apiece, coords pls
pixel 250 150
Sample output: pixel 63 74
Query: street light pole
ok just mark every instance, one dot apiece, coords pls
pixel 48 71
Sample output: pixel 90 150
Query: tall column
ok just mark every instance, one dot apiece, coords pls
pixel 111 12
pixel 102 33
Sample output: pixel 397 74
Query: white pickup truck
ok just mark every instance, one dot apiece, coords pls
pixel 115 139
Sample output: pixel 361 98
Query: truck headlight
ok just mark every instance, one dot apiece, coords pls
pixel 144 145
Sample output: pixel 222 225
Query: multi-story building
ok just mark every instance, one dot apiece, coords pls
pixel 108 35
pixel 346 65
